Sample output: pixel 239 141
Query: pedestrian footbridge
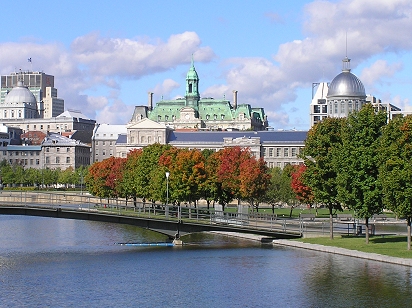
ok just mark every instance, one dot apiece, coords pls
pixel 169 220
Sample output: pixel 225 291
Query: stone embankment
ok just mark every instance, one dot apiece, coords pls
pixel 321 248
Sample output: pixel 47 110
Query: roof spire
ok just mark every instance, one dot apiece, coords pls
pixel 346 60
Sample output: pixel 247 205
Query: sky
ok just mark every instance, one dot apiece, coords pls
pixel 107 55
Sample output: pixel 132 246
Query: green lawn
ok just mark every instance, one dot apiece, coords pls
pixel 394 246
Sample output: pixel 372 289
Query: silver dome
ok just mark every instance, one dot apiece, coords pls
pixel 346 84
pixel 20 94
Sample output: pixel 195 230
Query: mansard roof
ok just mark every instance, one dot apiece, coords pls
pixel 266 137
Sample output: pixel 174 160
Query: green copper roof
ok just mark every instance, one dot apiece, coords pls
pixel 192 74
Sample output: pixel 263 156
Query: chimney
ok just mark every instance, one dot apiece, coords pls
pixel 234 99
pixel 150 100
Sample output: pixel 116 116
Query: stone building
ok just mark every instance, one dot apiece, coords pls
pixel 195 112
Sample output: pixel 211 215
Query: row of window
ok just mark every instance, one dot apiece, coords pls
pixel 57 149
pixel 345 107
pixel 280 152
pixel 24 162
pixel 22 153
pixel 282 164
pixel 320 109
pixel 104 142
pixel 57 160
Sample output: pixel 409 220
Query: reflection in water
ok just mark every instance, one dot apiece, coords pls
pixel 57 262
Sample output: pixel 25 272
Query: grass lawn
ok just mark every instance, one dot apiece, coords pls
pixel 394 246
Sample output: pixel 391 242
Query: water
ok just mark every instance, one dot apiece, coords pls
pixel 46 262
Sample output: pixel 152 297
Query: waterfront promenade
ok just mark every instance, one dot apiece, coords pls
pixel 327 249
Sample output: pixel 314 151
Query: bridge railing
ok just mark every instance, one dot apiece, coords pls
pixel 86 202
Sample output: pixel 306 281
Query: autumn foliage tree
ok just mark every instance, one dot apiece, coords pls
pixel 303 192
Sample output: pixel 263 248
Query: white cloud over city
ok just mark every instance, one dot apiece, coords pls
pixel 370 30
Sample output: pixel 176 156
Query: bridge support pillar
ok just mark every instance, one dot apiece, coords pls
pixel 177 241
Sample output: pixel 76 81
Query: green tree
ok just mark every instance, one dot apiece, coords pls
pixel 358 185
pixel 396 169
pixel 322 144
pixel 279 191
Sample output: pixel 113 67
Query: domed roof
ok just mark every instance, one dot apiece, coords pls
pixel 346 84
pixel 20 94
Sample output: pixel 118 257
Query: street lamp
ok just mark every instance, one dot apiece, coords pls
pixel 81 184
pixel 167 188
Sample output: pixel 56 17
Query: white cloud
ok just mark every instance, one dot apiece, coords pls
pixel 378 71
pixel 135 58
pixel 166 87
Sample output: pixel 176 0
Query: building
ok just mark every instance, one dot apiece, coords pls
pixel 104 140
pixel 194 112
pixel 278 148
pixel 342 96
pixel 62 152
pixel 40 85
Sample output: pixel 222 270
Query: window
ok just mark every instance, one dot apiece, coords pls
pixel 57 150
pixel 294 152
pixel 342 107
pixel 5 114
pixel 111 143
pixel 67 160
pixel 278 152
pixel 19 113
pixel 47 160
pixel 335 110
pixel 104 142
pixel 270 152
pixel 316 109
pixel 286 152
pixel 324 109
pixel 37 161
pixel 57 160
pixel 68 150
pixel 41 126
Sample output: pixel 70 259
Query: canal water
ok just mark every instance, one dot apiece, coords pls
pixel 48 262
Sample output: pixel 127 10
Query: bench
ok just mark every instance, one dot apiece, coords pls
pixel 307 216
pixel 347 217
pixel 379 217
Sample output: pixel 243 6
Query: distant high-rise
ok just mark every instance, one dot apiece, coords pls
pixel 42 87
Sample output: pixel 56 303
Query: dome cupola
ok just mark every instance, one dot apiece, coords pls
pixel 20 95
pixel 346 84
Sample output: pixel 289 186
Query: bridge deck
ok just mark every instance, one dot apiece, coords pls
pixel 164 219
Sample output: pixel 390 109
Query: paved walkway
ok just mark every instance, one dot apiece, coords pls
pixel 328 249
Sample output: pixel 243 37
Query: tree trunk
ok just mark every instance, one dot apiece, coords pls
pixel 409 232
pixel 330 223
pixel 367 230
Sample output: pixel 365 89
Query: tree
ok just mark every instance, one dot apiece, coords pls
pixel 187 173
pixel 321 147
pixel 254 180
pixel 279 190
pixel 395 172
pixel 358 185
pixel 303 192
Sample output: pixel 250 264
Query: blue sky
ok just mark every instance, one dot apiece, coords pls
pixel 107 55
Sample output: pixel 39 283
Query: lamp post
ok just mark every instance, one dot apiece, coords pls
pixel 167 188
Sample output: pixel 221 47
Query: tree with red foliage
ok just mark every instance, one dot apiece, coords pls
pixel 303 192
pixel 254 180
